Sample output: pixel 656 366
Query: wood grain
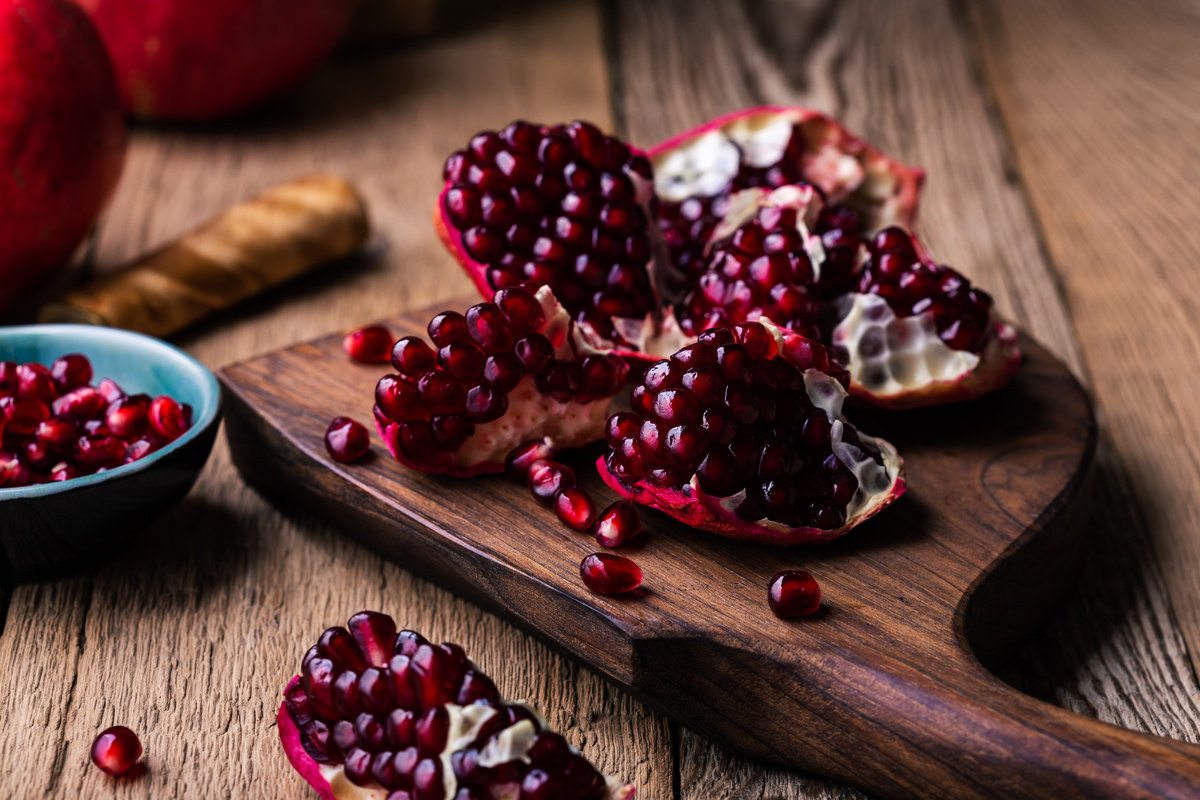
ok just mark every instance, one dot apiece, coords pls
pixel 190 638
pixel 909 77
pixel 1107 150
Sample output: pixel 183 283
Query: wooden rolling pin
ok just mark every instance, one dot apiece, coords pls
pixel 262 242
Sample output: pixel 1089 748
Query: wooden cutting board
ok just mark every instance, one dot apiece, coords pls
pixel 885 687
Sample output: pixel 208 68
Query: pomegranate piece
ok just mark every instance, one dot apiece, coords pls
pixel 562 206
pixel 116 750
pixel 399 717
pixel 369 345
pixel 605 573
pixel 346 440
pixel 509 371
pixel 575 508
pixel 617 524
pixel 741 434
pixel 793 593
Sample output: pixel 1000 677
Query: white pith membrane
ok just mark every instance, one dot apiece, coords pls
pixel 533 415
pixel 513 743
pixel 890 355
pixel 874 479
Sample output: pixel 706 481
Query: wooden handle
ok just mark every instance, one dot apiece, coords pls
pixel 912 725
pixel 276 236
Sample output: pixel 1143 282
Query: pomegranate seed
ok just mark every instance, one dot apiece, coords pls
pixel 793 593
pixel 116 750
pixel 109 390
pixel 22 414
pixel 167 420
pixel 546 478
pixel 605 573
pixel 369 345
pixel 139 449
pixel 34 380
pixel 399 399
pixel 60 472
pixel 524 456
pixel 346 440
pixel 575 508
pixel 128 416
pixel 412 357
pixel 617 524
pixel 82 403
pixel 71 371
pixel 94 453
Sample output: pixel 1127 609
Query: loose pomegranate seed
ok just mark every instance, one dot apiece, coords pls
pixel 109 390
pixel 546 478
pixel 575 508
pixel 128 416
pixel 57 433
pixel 617 524
pixel 139 449
pixel 369 345
pixel 116 750
pixel 62 472
pixel 94 453
pixel 523 457
pixel 23 414
pixel 82 403
pixel 167 419
pixel 34 380
pixel 346 440
pixel 793 593
pixel 605 573
pixel 71 371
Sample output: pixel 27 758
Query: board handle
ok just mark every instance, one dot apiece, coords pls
pixel 903 724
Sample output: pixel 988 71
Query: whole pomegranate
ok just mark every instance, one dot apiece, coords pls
pixel 199 59
pixel 62 139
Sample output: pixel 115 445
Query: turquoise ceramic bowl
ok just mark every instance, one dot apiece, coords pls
pixel 55 528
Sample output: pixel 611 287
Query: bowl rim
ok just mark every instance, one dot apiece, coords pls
pixel 127 341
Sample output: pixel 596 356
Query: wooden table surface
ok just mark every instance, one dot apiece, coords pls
pixel 1059 138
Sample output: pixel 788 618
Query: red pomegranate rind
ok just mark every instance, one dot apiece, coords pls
pixel 430 709
pixel 521 371
pixel 796 473
pixel 562 206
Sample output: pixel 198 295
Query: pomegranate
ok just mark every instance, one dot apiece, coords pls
pixel 562 206
pixel 617 524
pixel 369 345
pixel 506 372
pixel 116 750
pixel 199 59
pixel 776 213
pixel 605 573
pixel 794 593
pixel 741 434
pixel 62 139
pixel 55 426
pixel 376 713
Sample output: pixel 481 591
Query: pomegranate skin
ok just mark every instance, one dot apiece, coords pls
pixel 62 139
pixel 193 60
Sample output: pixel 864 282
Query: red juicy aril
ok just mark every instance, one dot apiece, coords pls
pixel 741 434
pixel 376 713
pixel 507 371
pixel 55 426
pixel 116 750
pixel 562 206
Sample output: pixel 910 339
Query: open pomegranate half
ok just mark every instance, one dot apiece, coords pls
pixel 741 434
pixel 644 271
pixel 506 372
pixel 377 714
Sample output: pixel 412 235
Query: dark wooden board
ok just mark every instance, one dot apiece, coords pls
pixel 885 687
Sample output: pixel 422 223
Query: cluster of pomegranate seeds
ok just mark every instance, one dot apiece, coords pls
pixel 761 270
pixel 617 524
pixel 840 229
pixel 116 750
pixel 605 573
pixel 369 345
pixel 557 206
pixel 794 593
pixel 346 440
pixel 912 286
pixel 731 412
pixel 438 397
pixel 394 710
pixel 55 426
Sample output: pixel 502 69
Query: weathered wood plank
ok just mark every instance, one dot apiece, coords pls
pixel 1102 101
pixel 907 76
pixel 189 639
